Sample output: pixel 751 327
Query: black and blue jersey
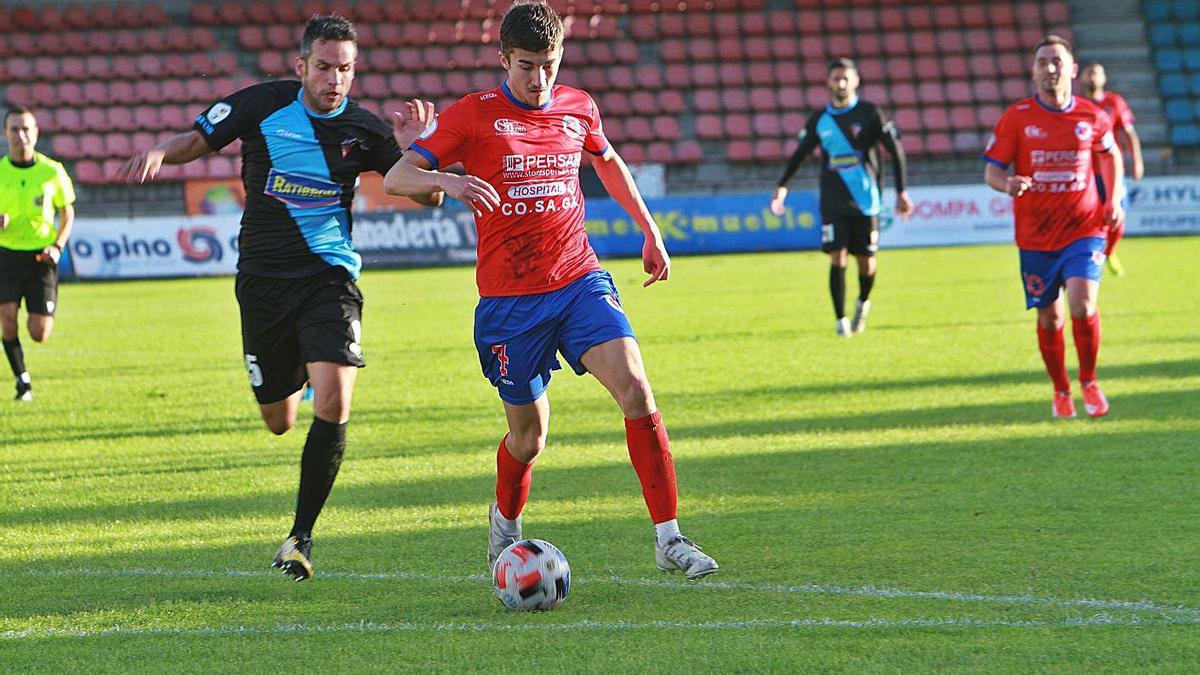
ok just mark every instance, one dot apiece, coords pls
pixel 299 169
pixel 851 175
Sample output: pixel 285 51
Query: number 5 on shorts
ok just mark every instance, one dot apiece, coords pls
pixel 256 376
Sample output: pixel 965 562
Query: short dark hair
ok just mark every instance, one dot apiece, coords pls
pixel 842 62
pixel 1055 40
pixel 531 26
pixel 329 27
pixel 16 109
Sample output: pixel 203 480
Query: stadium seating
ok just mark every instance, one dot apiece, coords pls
pixel 1173 29
pixel 677 82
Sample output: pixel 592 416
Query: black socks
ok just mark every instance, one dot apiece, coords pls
pixel 837 290
pixel 864 287
pixel 318 469
pixel 16 356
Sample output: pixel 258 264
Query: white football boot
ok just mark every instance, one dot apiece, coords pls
pixel 499 538
pixel 681 555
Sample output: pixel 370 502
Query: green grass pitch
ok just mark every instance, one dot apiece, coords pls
pixel 899 501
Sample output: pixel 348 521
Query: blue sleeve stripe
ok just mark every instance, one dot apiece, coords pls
pixel 997 162
pixel 601 153
pixel 426 154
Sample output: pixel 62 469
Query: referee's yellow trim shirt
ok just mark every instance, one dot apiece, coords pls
pixel 31 196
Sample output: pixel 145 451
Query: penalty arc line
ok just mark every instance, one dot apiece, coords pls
pixel 868 591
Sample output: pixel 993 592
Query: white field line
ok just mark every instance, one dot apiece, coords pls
pixel 374 627
pixel 869 591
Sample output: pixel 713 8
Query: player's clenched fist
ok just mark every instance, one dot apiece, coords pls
pixel 1017 185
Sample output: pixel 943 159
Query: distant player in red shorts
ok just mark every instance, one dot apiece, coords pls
pixel 542 290
pixel 1059 145
pixel 1093 78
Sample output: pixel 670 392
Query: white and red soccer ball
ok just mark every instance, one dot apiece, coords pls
pixel 531 574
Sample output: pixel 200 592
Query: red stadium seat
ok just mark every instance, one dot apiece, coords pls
pixel 94 119
pixel 837 21
pixel 633 153
pixel 966 142
pixel 614 129
pixel 769 150
pixel 620 77
pixel 708 126
pixel 689 152
pixel 760 74
pixel 767 124
pixel 763 99
pixel 947 17
pixel 648 76
pixel 756 49
pixel 989 115
pixel 963 118
pixel 1014 65
pixel 740 151
pixel 252 38
pixel 87 171
pixel 906 119
pixel 784 47
pixel 221 166
pixel 731 75
pixel 900 70
pixel 702 49
pixel 660 153
pixel 923 42
pixel 955 67
pixel 671 101
pixel 904 94
pixel 458 84
pixel 934 118
pixel 790 98
pixel 938 144
pixel 788 73
pixel 43 94
pixel 958 91
pixel 703 75
pixel 1014 88
pixel 985 90
pixel 864 21
pixel 639 129
pixel 891 19
pixel 918 17
pixel 896 44
pixel 146 117
pixel 430 84
pixel 737 126
pixel 1001 15
pixel 978 40
pixel 754 23
pixel 951 42
pixel 91 145
pixel 143 91
pixel 117 145
pixel 695 24
pixel 983 66
pixel 120 118
pixel 678 75
pixel 809 23
pixel 735 100
pixel 666 127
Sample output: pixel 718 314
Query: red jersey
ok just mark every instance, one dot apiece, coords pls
pixel 1114 104
pixel 1054 148
pixel 535 241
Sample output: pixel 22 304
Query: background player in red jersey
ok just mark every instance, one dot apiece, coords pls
pixel 542 289
pixel 1061 213
pixel 1094 79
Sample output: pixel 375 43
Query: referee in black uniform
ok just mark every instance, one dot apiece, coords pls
pixel 304 144
pixel 849 132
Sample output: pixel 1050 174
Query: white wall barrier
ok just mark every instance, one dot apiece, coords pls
pixel 949 215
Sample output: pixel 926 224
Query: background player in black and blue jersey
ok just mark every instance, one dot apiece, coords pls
pixel 304 144
pixel 849 132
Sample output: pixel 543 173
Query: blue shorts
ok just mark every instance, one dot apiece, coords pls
pixel 1043 273
pixel 517 336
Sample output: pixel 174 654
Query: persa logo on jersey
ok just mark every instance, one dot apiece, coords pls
pixel 302 192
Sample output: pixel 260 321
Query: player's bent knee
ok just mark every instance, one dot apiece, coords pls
pixel 636 399
pixel 525 447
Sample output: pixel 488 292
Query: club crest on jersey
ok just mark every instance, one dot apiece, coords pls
pixel 428 130
pixel 507 127
pixel 573 127
pixel 855 130
pixel 348 145
pixel 1083 131
pixel 302 192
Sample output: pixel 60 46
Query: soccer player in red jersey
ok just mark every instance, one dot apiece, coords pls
pixel 1094 80
pixel 542 289
pixel 1059 145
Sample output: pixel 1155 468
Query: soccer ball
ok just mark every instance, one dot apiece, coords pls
pixel 531 574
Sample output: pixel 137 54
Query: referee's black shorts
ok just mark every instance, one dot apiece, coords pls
pixel 24 277
pixel 856 233
pixel 287 323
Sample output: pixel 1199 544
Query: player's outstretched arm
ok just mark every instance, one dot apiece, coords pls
pixel 181 149
pixel 1138 169
pixel 407 127
pixel 413 176
pixel 998 179
pixel 615 176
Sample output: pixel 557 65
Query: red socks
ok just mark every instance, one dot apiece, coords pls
pixel 1050 341
pixel 512 482
pixel 1087 345
pixel 650 452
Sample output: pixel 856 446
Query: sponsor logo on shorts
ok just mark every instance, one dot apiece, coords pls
pixel 1098 258
pixel 302 192
pixel 501 353
pixel 1034 285
pixel 614 302
pixel 355 346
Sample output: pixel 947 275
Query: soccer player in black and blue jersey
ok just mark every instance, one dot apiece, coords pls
pixel 849 132
pixel 304 144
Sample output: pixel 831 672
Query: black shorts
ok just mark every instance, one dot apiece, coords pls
pixel 24 277
pixel 287 323
pixel 857 234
